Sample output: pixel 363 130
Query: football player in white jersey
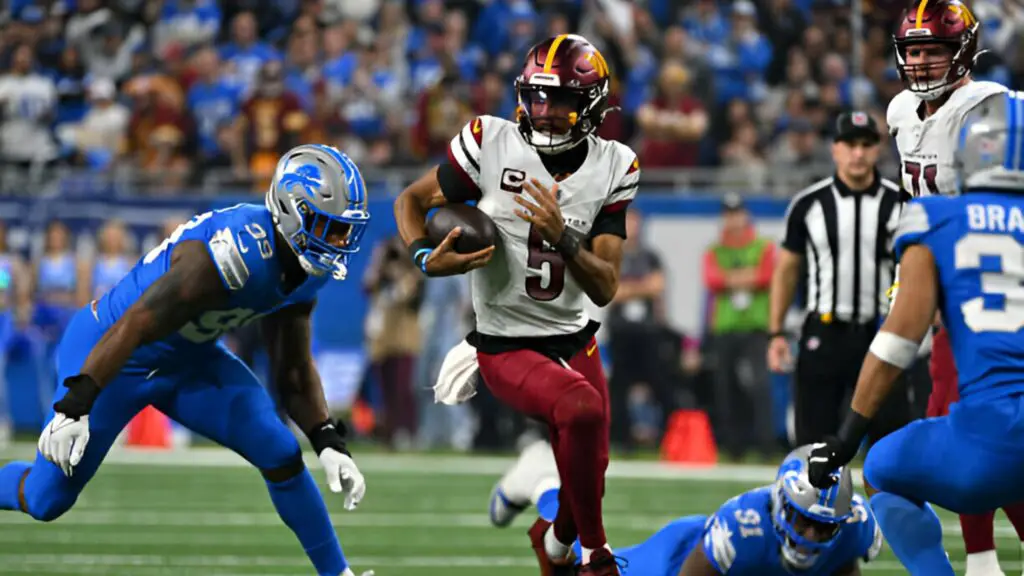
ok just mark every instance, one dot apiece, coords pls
pixel 557 195
pixel 936 47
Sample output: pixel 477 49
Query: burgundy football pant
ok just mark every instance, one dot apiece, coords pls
pixel 978 529
pixel 574 403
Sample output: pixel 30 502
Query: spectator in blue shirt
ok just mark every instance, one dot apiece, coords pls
pixel 245 53
pixel 212 101
pixel 740 63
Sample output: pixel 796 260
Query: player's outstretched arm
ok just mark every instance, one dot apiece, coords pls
pixel 892 351
pixel 287 334
pixel 190 287
pixel 697 564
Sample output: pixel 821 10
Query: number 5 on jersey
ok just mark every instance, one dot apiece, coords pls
pixel 540 258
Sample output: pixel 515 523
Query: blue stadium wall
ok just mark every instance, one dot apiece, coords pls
pixel 679 227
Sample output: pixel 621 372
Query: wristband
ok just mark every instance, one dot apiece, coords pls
pixel 853 430
pixel 328 434
pixel 81 395
pixel 568 245
pixel 419 251
pixel 775 335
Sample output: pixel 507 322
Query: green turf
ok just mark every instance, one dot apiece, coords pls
pixel 148 519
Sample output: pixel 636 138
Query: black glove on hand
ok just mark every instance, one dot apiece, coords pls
pixel 835 451
pixel 82 393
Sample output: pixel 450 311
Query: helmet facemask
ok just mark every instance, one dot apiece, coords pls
pixel 803 537
pixel 556 118
pixel 325 243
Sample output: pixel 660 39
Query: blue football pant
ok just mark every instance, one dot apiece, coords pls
pixel 968 462
pixel 215 395
pixel 662 554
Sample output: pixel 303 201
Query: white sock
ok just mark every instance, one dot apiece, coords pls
pixel 555 549
pixel 549 483
pixel 983 564
pixel 588 551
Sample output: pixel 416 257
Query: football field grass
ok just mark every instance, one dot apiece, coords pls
pixel 202 512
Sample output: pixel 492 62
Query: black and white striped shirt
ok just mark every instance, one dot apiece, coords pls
pixel 845 237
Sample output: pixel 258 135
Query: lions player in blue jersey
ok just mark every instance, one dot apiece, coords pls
pixel 153 339
pixel 963 256
pixel 783 528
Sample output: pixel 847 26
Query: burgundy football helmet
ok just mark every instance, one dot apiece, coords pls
pixel 562 93
pixel 936 46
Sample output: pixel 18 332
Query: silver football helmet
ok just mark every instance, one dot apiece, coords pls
pixel 318 201
pixel 807 520
pixel 990 153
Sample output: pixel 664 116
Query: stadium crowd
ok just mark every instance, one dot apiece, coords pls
pixel 191 92
pixel 200 95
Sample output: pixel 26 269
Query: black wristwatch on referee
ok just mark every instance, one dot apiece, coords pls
pixel 774 335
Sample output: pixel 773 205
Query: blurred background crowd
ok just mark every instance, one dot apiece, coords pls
pixel 190 98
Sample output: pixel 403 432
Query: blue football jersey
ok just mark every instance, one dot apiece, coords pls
pixel 977 241
pixel 740 538
pixel 241 243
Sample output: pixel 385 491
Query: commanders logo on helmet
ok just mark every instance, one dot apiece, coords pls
pixel 941 25
pixel 562 93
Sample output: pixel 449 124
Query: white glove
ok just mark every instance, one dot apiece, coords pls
pixel 349 572
pixel 63 441
pixel 343 476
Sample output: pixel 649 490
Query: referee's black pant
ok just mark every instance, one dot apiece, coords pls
pixel 828 364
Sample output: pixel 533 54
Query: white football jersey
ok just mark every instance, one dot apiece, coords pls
pixel 526 290
pixel 926 146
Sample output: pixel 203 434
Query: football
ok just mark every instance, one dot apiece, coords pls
pixel 478 231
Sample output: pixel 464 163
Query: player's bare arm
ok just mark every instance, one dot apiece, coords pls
pixel 287 335
pixel 910 319
pixel 892 351
pixel 411 209
pixel 190 287
pixel 697 564
pixel 596 270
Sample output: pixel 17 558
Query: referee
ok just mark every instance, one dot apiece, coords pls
pixel 840 227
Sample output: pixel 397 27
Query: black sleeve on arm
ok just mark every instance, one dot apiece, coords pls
pixel 454 185
pixel 613 222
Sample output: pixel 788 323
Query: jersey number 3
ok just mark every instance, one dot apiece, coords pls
pixel 1006 283
pixel 539 256
pixel 918 173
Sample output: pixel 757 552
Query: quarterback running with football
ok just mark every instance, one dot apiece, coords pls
pixel 557 195
pixel 936 47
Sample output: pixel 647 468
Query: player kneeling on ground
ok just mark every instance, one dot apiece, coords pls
pixel 779 529
pixel 154 339
pixel 963 256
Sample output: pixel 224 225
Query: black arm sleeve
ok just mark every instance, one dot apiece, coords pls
pixel 613 223
pixel 454 186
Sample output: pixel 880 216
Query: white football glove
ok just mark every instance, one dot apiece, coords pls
pixel 343 476
pixel 349 572
pixel 63 441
